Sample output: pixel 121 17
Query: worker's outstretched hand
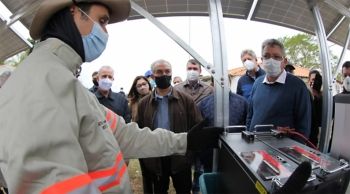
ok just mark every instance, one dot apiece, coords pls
pixel 200 137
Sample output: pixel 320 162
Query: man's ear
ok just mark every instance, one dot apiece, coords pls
pixel 285 62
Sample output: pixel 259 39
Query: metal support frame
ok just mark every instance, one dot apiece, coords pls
pixel 176 38
pixel 346 13
pixel 219 71
pixel 252 10
pixel 335 27
pixel 327 105
pixel 339 7
pixel 340 61
pixel 24 11
pixel 221 99
pixel 9 26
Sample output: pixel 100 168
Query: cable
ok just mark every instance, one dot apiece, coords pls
pixel 304 138
pixel 293 132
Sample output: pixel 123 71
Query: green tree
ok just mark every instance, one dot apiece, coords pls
pixel 302 49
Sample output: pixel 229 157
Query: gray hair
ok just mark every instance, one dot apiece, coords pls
pixel 106 67
pixel 157 62
pixel 248 52
pixel 271 43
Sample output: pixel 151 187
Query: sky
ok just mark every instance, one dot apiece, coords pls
pixel 134 45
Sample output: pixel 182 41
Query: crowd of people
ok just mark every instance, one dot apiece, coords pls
pixel 177 105
pixel 73 139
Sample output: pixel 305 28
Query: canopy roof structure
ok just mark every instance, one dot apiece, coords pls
pixel 293 14
pixel 11 42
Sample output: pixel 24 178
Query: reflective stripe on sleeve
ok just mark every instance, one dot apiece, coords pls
pixel 101 179
pixel 111 119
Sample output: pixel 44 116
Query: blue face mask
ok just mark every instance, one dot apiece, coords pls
pixel 95 42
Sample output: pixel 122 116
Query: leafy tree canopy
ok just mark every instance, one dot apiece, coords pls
pixel 302 49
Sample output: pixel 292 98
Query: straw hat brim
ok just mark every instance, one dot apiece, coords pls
pixel 119 11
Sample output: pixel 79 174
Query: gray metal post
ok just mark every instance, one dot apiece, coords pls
pixel 327 105
pixel 220 65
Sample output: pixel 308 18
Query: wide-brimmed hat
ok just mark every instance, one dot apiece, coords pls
pixel 119 11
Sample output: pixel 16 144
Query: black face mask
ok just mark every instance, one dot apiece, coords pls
pixel 95 82
pixel 163 82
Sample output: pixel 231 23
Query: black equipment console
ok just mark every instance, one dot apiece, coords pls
pixel 262 163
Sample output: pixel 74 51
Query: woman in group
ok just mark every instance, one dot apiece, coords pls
pixel 140 88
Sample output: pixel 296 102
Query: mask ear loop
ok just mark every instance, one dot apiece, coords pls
pixel 86 14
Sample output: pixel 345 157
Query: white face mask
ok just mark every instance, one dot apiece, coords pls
pixel 346 83
pixel 249 65
pixel 192 75
pixel 272 67
pixel 105 84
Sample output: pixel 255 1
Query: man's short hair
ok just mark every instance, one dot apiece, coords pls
pixel 289 67
pixel 94 73
pixel 195 62
pixel 346 64
pixel 248 52
pixel 106 67
pixel 159 61
pixel 271 43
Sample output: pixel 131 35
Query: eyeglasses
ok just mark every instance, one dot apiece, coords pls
pixel 141 85
pixel 275 57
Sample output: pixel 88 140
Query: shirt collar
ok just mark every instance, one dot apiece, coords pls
pixel 281 78
pixel 71 58
pixel 199 83
pixel 161 97
pixel 99 95
pixel 257 73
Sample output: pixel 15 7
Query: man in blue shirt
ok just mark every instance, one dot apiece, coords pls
pixel 279 98
pixel 245 83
